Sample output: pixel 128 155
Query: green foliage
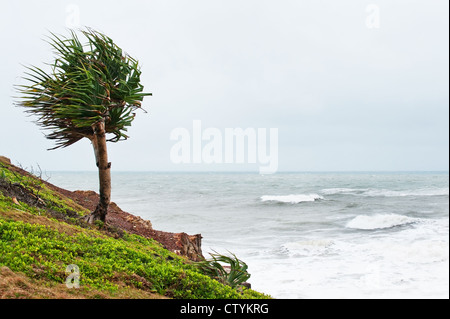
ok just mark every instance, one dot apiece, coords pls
pixel 42 252
pixel 88 83
pixel 99 223
pixel 36 188
pixel 234 274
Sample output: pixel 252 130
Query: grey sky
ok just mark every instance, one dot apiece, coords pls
pixel 342 95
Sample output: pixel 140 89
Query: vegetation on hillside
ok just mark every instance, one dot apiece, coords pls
pixel 41 234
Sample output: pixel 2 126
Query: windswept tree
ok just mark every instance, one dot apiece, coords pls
pixel 92 91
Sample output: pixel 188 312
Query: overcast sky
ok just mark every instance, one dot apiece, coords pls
pixel 350 85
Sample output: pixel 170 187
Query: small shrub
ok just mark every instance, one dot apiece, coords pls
pixel 233 275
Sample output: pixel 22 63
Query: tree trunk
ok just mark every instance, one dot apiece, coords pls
pixel 104 173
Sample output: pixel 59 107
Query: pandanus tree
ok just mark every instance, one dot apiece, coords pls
pixel 92 91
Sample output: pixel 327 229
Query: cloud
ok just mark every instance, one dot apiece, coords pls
pixel 313 69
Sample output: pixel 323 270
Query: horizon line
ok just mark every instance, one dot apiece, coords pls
pixel 256 172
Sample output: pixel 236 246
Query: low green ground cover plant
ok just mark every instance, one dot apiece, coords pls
pixel 35 243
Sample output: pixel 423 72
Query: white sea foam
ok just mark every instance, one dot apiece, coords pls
pixel 373 192
pixel 308 247
pixel 292 199
pixel 423 251
pixel 403 193
pixel 343 190
pixel 380 221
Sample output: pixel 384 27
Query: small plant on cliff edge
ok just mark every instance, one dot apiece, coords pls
pixel 233 275
pixel 92 90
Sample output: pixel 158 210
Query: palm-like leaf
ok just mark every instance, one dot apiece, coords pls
pixel 233 275
pixel 88 83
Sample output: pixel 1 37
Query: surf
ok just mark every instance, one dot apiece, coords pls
pixel 380 221
pixel 291 199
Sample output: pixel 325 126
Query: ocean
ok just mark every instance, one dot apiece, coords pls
pixel 304 235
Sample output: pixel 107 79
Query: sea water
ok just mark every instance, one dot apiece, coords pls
pixel 304 235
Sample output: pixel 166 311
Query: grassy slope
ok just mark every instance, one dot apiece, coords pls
pixel 38 241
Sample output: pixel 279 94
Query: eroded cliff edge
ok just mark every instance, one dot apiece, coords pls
pixel 180 243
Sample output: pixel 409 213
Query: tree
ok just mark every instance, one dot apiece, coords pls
pixel 92 90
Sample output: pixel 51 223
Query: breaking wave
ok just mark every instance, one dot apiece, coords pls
pixel 416 192
pixel 291 199
pixel 380 221
pixel 372 192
